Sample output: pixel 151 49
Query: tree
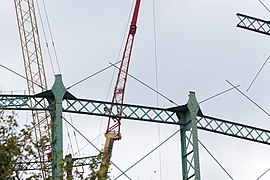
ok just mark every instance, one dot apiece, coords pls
pixel 16 147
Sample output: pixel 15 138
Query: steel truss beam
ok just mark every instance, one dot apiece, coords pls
pixel 35 165
pixel 189 117
pixel 253 24
pixel 234 129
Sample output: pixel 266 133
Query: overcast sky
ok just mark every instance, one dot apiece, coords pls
pixel 199 47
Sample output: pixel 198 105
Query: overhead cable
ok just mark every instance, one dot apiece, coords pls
pixel 148 154
pixel 215 159
pixel 21 75
pixel 218 94
pixel 95 147
pixel 249 98
pixel 258 73
pixel 92 75
pixel 264 5
pixel 263 174
pixel 133 77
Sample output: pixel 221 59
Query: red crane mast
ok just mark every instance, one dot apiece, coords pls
pixel 113 128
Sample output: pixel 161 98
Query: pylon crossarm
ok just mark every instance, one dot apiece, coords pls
pixel 108 109
pixel 234 129
pixel 22 102
pixel 253 24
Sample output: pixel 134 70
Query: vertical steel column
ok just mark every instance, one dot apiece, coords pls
pixel 189 140
pixel 69 164
pixel 58 91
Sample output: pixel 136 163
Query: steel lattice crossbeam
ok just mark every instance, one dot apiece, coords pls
pixel 253 24
pixel 22 102
pixel 33 166
pixel 101 108
pixel 234 129
pixel 141 113
pixel 189 117
pixel 83 161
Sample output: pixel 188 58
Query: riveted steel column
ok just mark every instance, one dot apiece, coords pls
pixel 189 140
pixel 58 91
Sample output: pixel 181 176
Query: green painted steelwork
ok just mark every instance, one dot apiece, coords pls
pixel 189 117
pixel 35 165
pixel 22 102
pixel 189 138
pixel 58 91
pixel 253 24
pixel 233 129
pixel 107 109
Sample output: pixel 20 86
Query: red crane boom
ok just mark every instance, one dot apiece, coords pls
pixel 113 128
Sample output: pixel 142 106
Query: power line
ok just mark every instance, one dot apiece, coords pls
pixel 248 98
pixel 215 159
pixel 264 6
pixel 21 75
pixel 148 154
pixel 263 174
pixel 94 146
pixel 218 94
pixel 258 73
pixel 92 75
pixel 133 77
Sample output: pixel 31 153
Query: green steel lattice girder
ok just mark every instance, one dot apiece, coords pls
pixel 253 24
pixel 25 166
pixel 234 129
pixel 141 113
pixel 22 102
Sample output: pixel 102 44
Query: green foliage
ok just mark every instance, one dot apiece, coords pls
pixel 16 146
pixel 94 167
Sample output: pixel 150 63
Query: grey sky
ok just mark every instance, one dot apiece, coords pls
pixel 198 49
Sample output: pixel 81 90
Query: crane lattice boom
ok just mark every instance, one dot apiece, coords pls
pixel 114 123
pixel 35 74
pixel 119 90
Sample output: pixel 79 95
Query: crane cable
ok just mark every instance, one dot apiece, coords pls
pixel 80 173
pixel 45 37
pixel 114 71
pixel 51 35
pixel 70 143
pixel 156 82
